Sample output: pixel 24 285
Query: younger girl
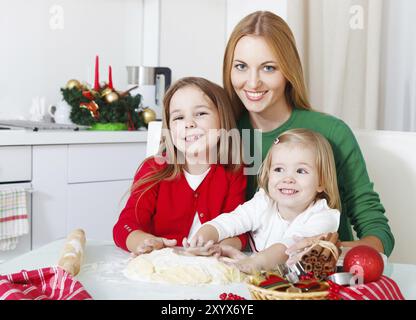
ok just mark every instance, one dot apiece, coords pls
pixel 297 197
pixel 181 188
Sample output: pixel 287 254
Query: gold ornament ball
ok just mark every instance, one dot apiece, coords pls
pixel 106 91
pixel 111 97
pixel 148 115
pixel 73 84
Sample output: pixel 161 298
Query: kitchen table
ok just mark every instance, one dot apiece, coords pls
pixel 101 274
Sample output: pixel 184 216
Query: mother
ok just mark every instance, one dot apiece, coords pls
pixel 262 74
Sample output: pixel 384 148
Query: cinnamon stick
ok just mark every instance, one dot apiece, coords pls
pixel 330 265
pixel 318 266
pixel 313 260
pixel 308 267
pixel 326 253
pixel 316 250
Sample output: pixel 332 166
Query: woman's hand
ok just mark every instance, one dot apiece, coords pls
pixel 295 252
pixel 155 243
pixel 370 241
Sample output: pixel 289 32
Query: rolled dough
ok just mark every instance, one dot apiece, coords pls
pixel 165 266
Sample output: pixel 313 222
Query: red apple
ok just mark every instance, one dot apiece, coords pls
pixel 364 260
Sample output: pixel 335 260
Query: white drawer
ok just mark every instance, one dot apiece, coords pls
pixel 96 212
pixel 104 162
pixel 15 163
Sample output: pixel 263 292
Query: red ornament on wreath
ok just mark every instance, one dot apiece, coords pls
pixel 92 107
pixel 365 260
pixel 88 94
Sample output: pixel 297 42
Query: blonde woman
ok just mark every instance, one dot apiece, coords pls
pixel 193 179
pixel 263 77
pixel 298 197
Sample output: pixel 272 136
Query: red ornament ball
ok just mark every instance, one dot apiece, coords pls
pixel 366 261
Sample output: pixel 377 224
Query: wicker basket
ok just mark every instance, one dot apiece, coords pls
pixel 258 293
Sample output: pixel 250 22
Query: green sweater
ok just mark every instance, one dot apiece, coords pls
pixel 361 206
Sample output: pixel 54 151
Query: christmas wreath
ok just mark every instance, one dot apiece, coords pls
pixel 103 107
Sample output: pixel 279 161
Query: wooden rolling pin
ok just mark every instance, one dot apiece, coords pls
pixel 73 252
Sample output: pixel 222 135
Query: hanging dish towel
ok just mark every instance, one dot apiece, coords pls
pixel 43 284
pixel 13 217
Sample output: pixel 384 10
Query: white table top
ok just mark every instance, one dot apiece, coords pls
pixel 101 275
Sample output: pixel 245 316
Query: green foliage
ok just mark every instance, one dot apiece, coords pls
pixel 117 111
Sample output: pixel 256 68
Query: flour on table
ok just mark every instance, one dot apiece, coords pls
pixel 165 266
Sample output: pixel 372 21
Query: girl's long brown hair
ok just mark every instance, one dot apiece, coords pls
pixel 229 137
pixel 325 163
pixel 280 38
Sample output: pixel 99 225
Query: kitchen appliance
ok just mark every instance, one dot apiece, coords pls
pixel 152 84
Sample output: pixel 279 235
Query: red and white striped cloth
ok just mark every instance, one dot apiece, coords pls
pixel 383 289
pixel 43 284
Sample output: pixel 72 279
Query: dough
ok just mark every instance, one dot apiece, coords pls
pixel 143 266
pixel 165 266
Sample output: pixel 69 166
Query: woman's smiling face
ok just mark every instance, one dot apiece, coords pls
pixel 255 74
pixel 193 121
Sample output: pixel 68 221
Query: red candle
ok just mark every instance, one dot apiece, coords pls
pixel 110 78
pixel 97 75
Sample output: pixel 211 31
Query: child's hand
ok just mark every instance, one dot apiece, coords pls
pixel 234 257
pixel 297 250
pixel 247 264
pixel 197 247
pixel 155 243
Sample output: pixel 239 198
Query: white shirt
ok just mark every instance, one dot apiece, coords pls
pixel 194 180
pixel 261 216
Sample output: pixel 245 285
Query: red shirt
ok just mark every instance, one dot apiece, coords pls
pixel 168 208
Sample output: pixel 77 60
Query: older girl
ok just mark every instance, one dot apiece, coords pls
pixel 196 176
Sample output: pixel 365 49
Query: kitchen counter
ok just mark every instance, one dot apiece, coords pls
pixel 101 275
pixel 55 137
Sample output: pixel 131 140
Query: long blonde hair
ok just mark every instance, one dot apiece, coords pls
pixel 229 139
pixel 280 38
pixel 325 163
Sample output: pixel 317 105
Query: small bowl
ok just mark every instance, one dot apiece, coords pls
pixel 341 278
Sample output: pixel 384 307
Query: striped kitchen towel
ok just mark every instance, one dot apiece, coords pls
pixel 43 284
pixel 383 289
pixel 13 217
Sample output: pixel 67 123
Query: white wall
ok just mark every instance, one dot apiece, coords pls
pixel 193 33
pixel 36 60
pixel 238 9
pixel 192 37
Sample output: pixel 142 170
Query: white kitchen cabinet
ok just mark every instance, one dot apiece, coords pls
pixel 103 162
pixel 95 207
pixel 76 179
pixel 16 172
pixel 80 186
pixel 50 205
pixel 15 163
